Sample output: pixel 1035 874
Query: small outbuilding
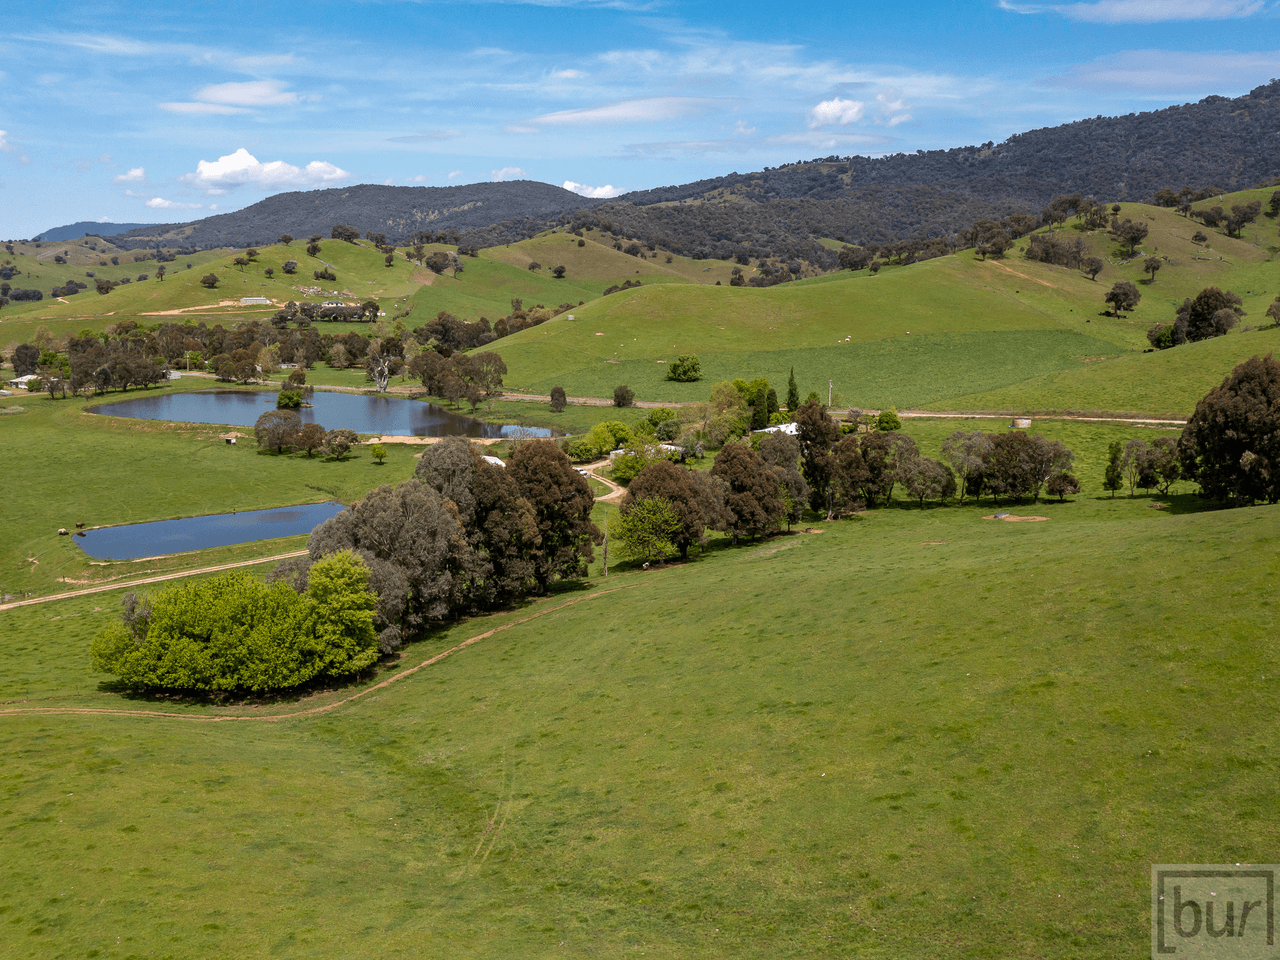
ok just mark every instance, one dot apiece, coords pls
pixel 790 429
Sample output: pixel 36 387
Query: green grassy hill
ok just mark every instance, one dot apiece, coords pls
pixel 952 333
pixel 923 334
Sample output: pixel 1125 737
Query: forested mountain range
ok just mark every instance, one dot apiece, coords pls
pixel 1218 142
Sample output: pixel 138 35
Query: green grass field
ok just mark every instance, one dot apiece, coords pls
pixel 914 729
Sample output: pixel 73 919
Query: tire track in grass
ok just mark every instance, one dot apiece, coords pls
pixel 323 708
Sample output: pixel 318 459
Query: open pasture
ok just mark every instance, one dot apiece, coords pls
pixel 914 731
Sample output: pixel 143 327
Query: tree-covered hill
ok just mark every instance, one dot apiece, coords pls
pixel 396 212
pixel 1217 143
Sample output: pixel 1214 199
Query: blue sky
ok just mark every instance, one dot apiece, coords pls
pixel 144 112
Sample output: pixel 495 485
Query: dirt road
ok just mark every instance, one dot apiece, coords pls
pixel 156 579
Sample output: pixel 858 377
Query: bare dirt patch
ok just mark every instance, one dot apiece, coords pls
pixel 1016 273
pixel 1013 518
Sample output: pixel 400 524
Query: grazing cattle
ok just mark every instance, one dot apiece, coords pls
pixel 80 525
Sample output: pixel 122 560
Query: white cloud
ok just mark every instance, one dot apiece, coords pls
pixel 506 173
pixel 159 203
pixel 1143 11
pixel 200 108
pixel 420 178
pixel 226 98
pixel 892 109
pixel 454 174
pixel 742 130
pixel 521 128
pixel 243 169
pixel 5 145
pixel 251 93
pixel 136 175
pixel 582 189
pixel 644 110
pixel 836 111
pixel 567 74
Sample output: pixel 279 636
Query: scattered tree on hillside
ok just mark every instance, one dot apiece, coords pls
pixel 209 280
pixel 1114 477
pixel 793 392
pixel 817 435
pixel 286 239
pixel 558 399
pixel 968 454
pixel 752 504
pixel 1231 445
pixel 558 272
pixel 1123 295
pixel 623 396
pixel 1131 233
pixel 562 501
pixel 647 528
pixel 1151 266
pixel 26 359
pixel 1092 266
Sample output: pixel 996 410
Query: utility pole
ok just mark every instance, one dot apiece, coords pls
pixel 828 394
pixel 606 545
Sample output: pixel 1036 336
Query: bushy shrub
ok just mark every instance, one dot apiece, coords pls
pixel 234 633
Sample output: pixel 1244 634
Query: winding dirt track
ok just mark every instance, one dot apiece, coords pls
pixel 121 585
pixel 324 708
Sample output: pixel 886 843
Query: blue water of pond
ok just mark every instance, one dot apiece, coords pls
pixel 383 416
pixel 161 537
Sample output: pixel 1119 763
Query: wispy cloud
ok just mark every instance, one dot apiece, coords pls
pixel 426 136
pixel 200 108
pixel 136 175
pixel 1143 11
pixel 454 174
pixel 605 192
pixel 1163 72
pixel 506 173
pixel 5 145
pixel 242 168
pixel 824 140
pixel 250 93
pixel 643 110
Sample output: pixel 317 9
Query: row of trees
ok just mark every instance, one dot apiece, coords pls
pixel 283 431
pixel 462 535
pixel 846 469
